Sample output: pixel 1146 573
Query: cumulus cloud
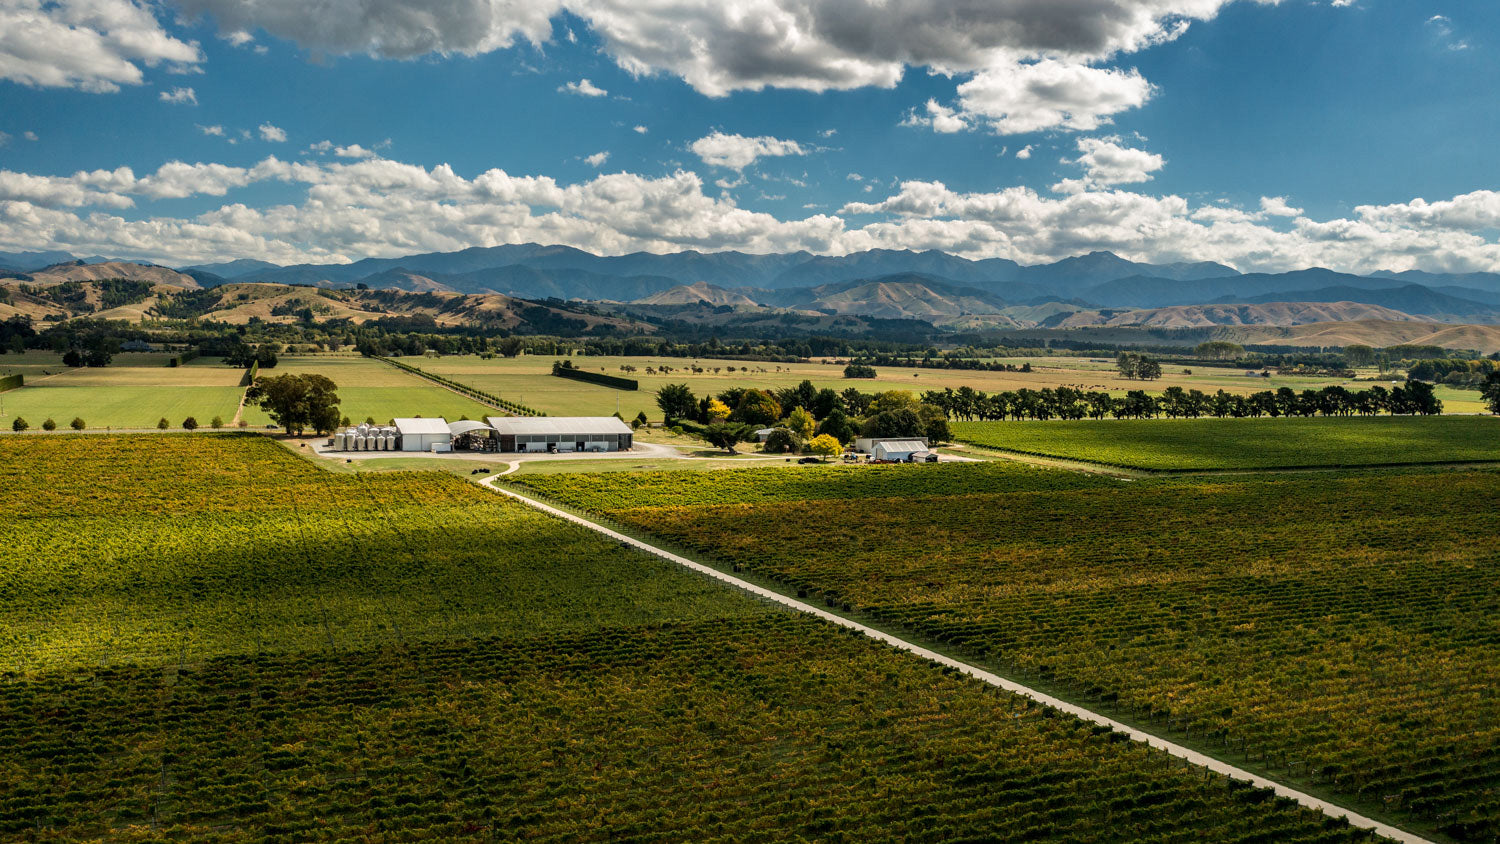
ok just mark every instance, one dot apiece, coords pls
pixel 1024 152
pixel 179 96
pixel 1049 94
pixel 271 133
pixel 938 117
pixel 1277 206
pixel 354 151
pixel 1106 163
pixel 597 159
pixel 583 88
pixel 215 130
pixel 738 152
pixel 358 207
pixel 640 130
pixel 97 45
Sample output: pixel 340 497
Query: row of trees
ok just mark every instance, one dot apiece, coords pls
pixel 188 424
pixel 1415 397
pixel 804 412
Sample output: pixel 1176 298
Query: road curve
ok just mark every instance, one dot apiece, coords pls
pixel 1177 750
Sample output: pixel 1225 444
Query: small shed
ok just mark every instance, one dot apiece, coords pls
pixel 900 451
pixel 422 434
pixel 762 433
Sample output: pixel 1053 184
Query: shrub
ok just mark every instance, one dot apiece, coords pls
pixel 19 425
pixel 162 424
pixel 77 423
pixel 190 424
pixel 49 425
pixel 782 441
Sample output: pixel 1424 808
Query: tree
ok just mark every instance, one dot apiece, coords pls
pixel 757 408
pixel 1490 391
pixel 782 441
pixel 716 411
pixel 894 400
pixel 934 423
pixel 894 423
pixel 855 370
pixel 190 424
pixel 72 358
pixel 218 422
pixel 824 445
pixel 1359 355
pixel 838 426
pixel 297 402
pixel 801 423
pixel 826 402
pixel 19 424
pixel 49 425
pixel 162 424
pixel 676 401
pixel 1219 350
pixel 77 423
pixel 725 435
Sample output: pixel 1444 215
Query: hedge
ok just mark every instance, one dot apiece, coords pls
pixel 596 378
pixel 11 382
pixel 465 390
pixel 180 359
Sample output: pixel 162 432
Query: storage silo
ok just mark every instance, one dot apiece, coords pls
pixel 338 441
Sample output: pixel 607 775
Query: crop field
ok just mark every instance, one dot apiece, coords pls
pixel 1337 631
pixel 134 392
pixel 1166 444
pixel 370 389
pixel 206 637
pixel 527 379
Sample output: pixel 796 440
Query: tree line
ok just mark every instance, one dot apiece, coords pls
pixel 968 404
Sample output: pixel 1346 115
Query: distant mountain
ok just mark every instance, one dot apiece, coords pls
pixel 1411 299
pixel 687 294
pixel 26 261
pixel 232 269
pixel 1159 292
pixel 1198 316
pixel 1488 282
pixel 75 271
pixel 899 296
pixel 1075 276
pixel 877 263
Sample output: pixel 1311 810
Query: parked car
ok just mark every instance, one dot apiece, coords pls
pixel 811 460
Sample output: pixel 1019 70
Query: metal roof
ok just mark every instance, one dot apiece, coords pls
pixel 902 445
pixel 464 426
pixel 557 425
pixel 419 425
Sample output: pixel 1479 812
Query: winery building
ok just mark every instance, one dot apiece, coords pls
pixel 561 433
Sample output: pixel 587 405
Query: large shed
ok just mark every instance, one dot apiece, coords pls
pixel 901 451
pixel 561 433
pixel 424 434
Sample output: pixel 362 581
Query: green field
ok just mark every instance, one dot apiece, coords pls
pixel 1338 631
pixel 368 388
pixel 134 392
pixel 204 637
pixel 1204 444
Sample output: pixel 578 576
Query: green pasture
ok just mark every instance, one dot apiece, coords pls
pixel 134 392
pixel 368 388
pixel 1187 444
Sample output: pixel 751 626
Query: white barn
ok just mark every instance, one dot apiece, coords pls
pixel 866 445
pixel 561 433
pixel 901 451
pixel 424 434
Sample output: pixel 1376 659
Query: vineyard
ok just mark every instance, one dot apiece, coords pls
pixel 1195 444
pixel 205 637
pixel 1338 631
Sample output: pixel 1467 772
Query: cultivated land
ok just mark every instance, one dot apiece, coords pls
pixel 1337 631
pixel 1207 444
pixel 135 391
pixel 368 388
pixel 208 638
pixel 527 379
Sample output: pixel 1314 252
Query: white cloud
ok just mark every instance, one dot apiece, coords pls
pixel 94 45
pixel 827 133
pixel 4 138
pixel 583 88
pixel 1277 206
pixel 1049 94
pixel 238 38
pixel 730 184
pixel 855 177
pixel 1106 163
pixel 738 152
pixel 354 151
pixel 29 135
pixel 1024 152
pixel 1441 27
pixel 354 208
pixel 179 96
pixel 640 130
pixel 597 159
pixel 939 118
pixel 272 133
pixel 216 130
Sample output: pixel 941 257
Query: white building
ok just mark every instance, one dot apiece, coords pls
pixel 866 445
pixel 900 451
pixel 561 433
pixel 424 434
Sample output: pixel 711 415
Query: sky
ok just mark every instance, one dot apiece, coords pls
pixel 1351 134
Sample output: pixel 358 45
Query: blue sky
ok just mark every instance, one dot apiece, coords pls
pixel 1266 135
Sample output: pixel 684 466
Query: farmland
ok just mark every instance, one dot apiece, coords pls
pixel 135 392
pixel 205 637
pixel 1198 444
pixel 368 388
pixel 1334 630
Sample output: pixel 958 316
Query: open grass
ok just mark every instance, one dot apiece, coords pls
pixel 368 388
pixel 1205 444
